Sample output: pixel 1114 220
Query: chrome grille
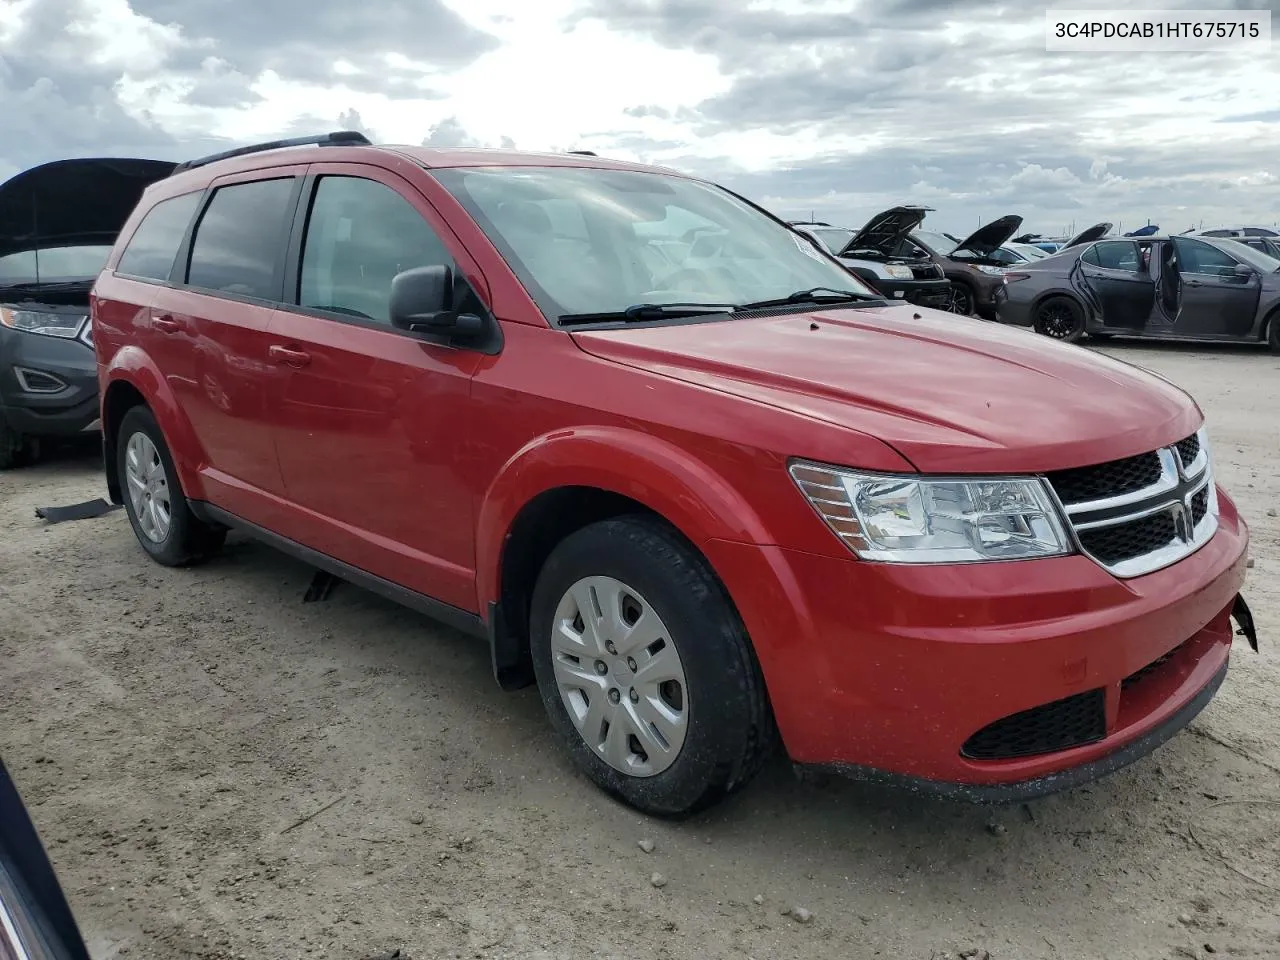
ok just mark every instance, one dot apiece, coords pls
pixel 1140 514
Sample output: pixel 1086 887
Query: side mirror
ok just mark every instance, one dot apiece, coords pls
pixel 422 301
pixel 1243 273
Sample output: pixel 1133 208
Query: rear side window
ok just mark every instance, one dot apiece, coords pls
pixel 239 243
pixel 150 252
pixel 1114 255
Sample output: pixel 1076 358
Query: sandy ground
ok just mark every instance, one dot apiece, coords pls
pixel 171 728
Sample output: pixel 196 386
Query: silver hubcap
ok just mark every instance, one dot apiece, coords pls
pixel 148 487
pixel 620 676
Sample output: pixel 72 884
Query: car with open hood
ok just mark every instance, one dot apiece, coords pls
pixel 711 499
pixel 875 254
pixel 1181 288
pixel 973 266
pixel 57 224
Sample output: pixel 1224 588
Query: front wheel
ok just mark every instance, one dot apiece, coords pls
pixel 1273 332
pixel 1060 318
pixel 645 669
pixel 962 299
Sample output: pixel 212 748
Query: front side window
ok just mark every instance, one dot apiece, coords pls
pixel 239 242
pixel 650 238
pixel 154 245
pixel 1196 256
pixel 360 234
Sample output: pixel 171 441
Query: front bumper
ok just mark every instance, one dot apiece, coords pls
pixel 889 671
pixel 72 409
pixel 921 293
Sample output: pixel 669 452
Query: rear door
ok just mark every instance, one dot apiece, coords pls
pixel 372 423
pixel 233 272
pixel 1113 272
pixel 1216 301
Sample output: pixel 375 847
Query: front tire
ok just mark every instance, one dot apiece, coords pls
pixel 1060 318
pixel 963 301
pixel 158 510
pixel 645 669
pixel 1273 331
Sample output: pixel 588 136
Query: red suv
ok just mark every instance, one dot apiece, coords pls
pixel 677 467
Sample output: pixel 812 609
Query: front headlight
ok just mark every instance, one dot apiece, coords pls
pixel 993 271
pixel 66 325
pixel 898 271
pixel 906 519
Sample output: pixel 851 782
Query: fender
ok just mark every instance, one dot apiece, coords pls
pixel 132 366
pixel 700 503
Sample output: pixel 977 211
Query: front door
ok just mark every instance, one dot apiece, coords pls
pixel 234 274
pixel 373 423
pixel 1217 299
pixel 1114 273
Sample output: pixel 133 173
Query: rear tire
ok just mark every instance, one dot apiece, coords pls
pixel 656 693
pixel 1273 331
pixel 1060 318
pixel 158 510
pixel 13 447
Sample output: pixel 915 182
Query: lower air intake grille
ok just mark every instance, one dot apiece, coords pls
pixel 1061 725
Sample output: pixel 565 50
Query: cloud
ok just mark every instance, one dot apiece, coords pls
pixel 841 107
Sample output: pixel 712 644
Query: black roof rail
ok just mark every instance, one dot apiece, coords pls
pixel 339 138
pixel 585 153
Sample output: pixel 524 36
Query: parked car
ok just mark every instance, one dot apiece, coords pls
pixel 1235 232
pixel 972 266
pixel 1012 253
pixel 1199 288
pixel 833 239
pixel 35 921
pixel 1268 245
pixel 702 507
pixel 874 254
pixel 57 224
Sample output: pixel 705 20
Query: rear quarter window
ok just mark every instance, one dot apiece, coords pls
pixel 153 247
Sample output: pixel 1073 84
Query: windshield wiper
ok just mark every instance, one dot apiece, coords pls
pixel 649 311
pixel 812 295
pixel 24 286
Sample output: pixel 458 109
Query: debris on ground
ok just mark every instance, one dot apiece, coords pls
pixel 658 880
pixel 646 846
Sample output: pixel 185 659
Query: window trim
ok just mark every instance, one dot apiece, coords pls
pixel 463 266
pixel 182 263
pixel 201 195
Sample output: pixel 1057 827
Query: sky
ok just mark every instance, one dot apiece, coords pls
pixel 835 108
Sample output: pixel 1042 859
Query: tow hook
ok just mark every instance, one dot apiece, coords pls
pixel 1244 621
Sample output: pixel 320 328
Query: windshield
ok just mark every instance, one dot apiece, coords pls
pixel 54 265
pixel 834 238
pixel 940 243
pixel 593 241
pixel 1029 251
pixel 1242 251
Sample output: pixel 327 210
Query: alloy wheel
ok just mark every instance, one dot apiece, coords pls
pixel 620 676
pixel 1057 320
pixel 148 487
pixel 961 301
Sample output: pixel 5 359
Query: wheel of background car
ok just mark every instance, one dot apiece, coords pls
pixel 645 669
pixel 962 299
pixel 158 510
pixel 12 447
pixel 1060 318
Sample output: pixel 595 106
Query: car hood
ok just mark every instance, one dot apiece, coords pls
pixel 950 394
pixel 1096 232
pixel 73 202
pixel 987 239
pixel 885 230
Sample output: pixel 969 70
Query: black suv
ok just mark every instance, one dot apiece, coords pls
pixel 58 222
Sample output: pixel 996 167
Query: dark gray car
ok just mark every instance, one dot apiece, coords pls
pixel 1178 288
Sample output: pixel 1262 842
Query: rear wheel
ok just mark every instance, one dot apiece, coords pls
pixel 158 510
pixel 1060 318
pixel 645 669
pixel 12 447
pixel 1273 331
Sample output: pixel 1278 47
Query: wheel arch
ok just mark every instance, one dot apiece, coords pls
pixel 133 380
pixel 556 486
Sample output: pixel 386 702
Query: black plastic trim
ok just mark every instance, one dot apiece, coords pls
pixel 461 620
pixel 1037 787
pixel 338 138
pixel 512 666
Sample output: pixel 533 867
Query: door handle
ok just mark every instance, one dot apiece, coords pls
pixel 292 356
pixel 1195 283
pixel 166 324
